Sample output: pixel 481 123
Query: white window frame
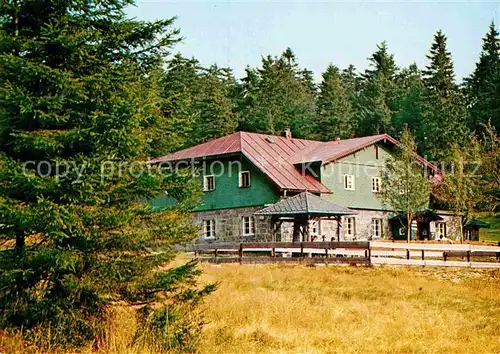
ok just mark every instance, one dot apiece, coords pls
pixel 240 179
pixel 440 230
pixel 349 184
pixel 376 184
pixel 208 229
pixel 315 225
pixel 350 226
pixel 206 184
pixel 250 220
pixel 376 228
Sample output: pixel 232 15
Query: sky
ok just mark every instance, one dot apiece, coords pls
pixel 237 34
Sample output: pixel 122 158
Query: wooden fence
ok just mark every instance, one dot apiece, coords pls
pixel 284 252
pixel 356 252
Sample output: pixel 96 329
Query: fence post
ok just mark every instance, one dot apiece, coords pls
pixel 369 254
pixel 301 249
pixel 240 251
pixel 215 254
pixel 408 254
pixel 423 258
pixel 468 256
pixel 445 255
pixel 273 252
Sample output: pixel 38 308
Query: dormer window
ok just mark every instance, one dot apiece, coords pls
pixel 244 179
pixel 208 183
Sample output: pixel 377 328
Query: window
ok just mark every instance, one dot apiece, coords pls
pixel 208 183
pixel 349 226
pixel 315 228
pixel 440 230
pixel 244 179
pixel 349 182
pixel 248 225
pixel 376 228
pixel 209 229
pixel 376 185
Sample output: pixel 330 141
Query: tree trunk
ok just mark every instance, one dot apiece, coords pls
pixel 408 230
pixel 20 241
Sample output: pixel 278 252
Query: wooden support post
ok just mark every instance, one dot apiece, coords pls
pixel 369 255
pixel 468 256
pixel 326 252
pixel 240 252
pixel 273 253
pixel 301 249
pixel 423 258
pixel 407 254
pixel 445 255
pixel 215 253
pixel 366 253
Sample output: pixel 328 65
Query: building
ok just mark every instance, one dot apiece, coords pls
pixel 242 173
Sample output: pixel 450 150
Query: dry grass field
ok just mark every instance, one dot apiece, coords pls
pixel 299 309
pixel 295 309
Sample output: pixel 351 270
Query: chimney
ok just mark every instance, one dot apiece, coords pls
pixel 287 133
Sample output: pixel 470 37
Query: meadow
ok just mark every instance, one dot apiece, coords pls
pixel 336 309
pixel 297 309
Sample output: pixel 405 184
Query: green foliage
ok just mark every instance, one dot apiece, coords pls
pixel 199 105
pixel 375 104
pixel 483 86
pixel 444 109
pixel 277 96
pixel 334 108
pixel 405 185
pixel 80 113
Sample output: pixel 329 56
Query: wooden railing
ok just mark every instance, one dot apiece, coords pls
pixel 355 252
pixel 290 252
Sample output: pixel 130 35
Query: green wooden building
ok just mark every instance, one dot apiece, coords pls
pixel 242 173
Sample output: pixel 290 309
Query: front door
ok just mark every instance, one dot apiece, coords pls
pixel 423 230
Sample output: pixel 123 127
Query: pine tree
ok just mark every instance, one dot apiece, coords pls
pixel 439 75
pixel 334 110
pixel 79 108
pixel 408 102
pixel 375 106
pixel 276 96
pixel 215 104
pixel 444 120
pixel 483 86
pixel 382 63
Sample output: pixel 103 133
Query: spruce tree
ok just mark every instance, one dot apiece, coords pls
pixel 444 120
pixel 483 86
pixel 334 110
pixel 276 96
pixel 215 104
pixel 79 108
pixel 408 102
pixel 375 106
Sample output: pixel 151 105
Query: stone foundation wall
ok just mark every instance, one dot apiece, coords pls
pixel 228 226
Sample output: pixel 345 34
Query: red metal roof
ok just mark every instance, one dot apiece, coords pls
pixel 278 157
pixel 269 153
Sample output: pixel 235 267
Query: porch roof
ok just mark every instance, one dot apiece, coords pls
pixel 476 223
pixel 305 204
